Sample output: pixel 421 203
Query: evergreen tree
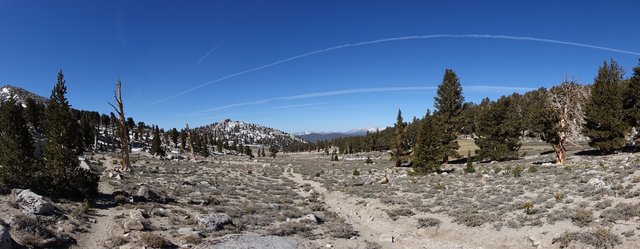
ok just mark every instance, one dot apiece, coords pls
pixel 173 135
pixel 430 146
pixel 400 146
pixel 273 150
pixel 61 151
pixel 34 114
pixel 631 100
pixel 498 128
pixel 604 120
pixel 240 149
pixel 334 155
pixel 469 166
pixel 448 103
pixel 204 150
pixel 263 154
pixel 156 145
pixel 16 148
pixel 248 152
pixel 219 146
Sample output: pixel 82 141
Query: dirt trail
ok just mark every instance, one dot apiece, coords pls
pixel 372 222
pixel 104 214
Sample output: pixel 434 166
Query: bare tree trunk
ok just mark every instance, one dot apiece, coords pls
pixel 193 155
pixel 95 139
pixel 561 153
pixel 124 137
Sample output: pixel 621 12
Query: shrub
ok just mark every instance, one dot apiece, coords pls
pixel 469 168
pixel 582 217
pixel 600 238
pixel 120 199
pixel 290 228
pixel 558 195
pixel 368 161
pixel 341 230
pixel 428 222
pixel 356 172
pixel 155 241
pixel 472 218
pixel 517 171
pixel 528 207
pixel 394 214
pixel 533 169
pixel 193 239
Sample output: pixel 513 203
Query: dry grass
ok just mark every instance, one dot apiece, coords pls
pixel 599 238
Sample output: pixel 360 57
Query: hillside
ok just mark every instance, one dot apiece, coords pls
pixel 20 94
pixel 238 132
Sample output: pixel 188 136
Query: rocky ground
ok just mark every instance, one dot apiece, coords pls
pixel 304 200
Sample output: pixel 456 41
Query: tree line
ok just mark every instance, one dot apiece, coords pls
pixel 606 113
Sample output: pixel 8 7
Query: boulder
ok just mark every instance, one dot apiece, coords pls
pixel 597 183
pixel 5 238
pixel 312 218
pixel 147 194
pixel 386 238
pixel 84 165
pixel 134 222
pixel 32 202
pixel 136 214
pixel 188 231
pixel 143 192
pixel 384 180
pixel 133 225
pixel 213 221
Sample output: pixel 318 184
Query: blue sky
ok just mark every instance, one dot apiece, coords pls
pixel 202 61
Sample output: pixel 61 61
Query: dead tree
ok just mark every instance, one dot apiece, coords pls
pixel 192 154
pixel 567 100
pixel 124 137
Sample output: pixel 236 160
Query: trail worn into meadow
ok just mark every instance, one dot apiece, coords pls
pixel 368 218
pixel 103 211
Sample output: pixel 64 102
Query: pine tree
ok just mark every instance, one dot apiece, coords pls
pixel 61 151
pixel 219 146
pixel 204 150
pixel 173 134
pixel 16 148
pixel 631 100
pixel 429 148
pixel 498 128
pixel 248 152
pixel 400 146
pixel 156 148
pixel 469 166
pixel 448 103
pixel 273 150
pixel 334 155
pixel 604 117
pixel 34 113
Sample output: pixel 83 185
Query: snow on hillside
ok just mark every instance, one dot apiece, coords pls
pixel 249 134
pixel 20 95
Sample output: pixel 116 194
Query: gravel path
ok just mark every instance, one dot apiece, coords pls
pixel 104 214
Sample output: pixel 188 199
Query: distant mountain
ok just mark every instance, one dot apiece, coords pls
pixel 318 136
pixel 21 95
pixel 249 134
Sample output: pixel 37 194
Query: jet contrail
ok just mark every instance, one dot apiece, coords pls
pixel 355 91
pixel 403 38
pixel 205 56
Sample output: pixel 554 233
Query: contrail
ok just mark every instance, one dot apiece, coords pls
pixel 209 53
pixel 355 91
pixel 403 38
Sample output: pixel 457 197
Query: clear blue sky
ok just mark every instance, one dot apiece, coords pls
pixel 162 49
